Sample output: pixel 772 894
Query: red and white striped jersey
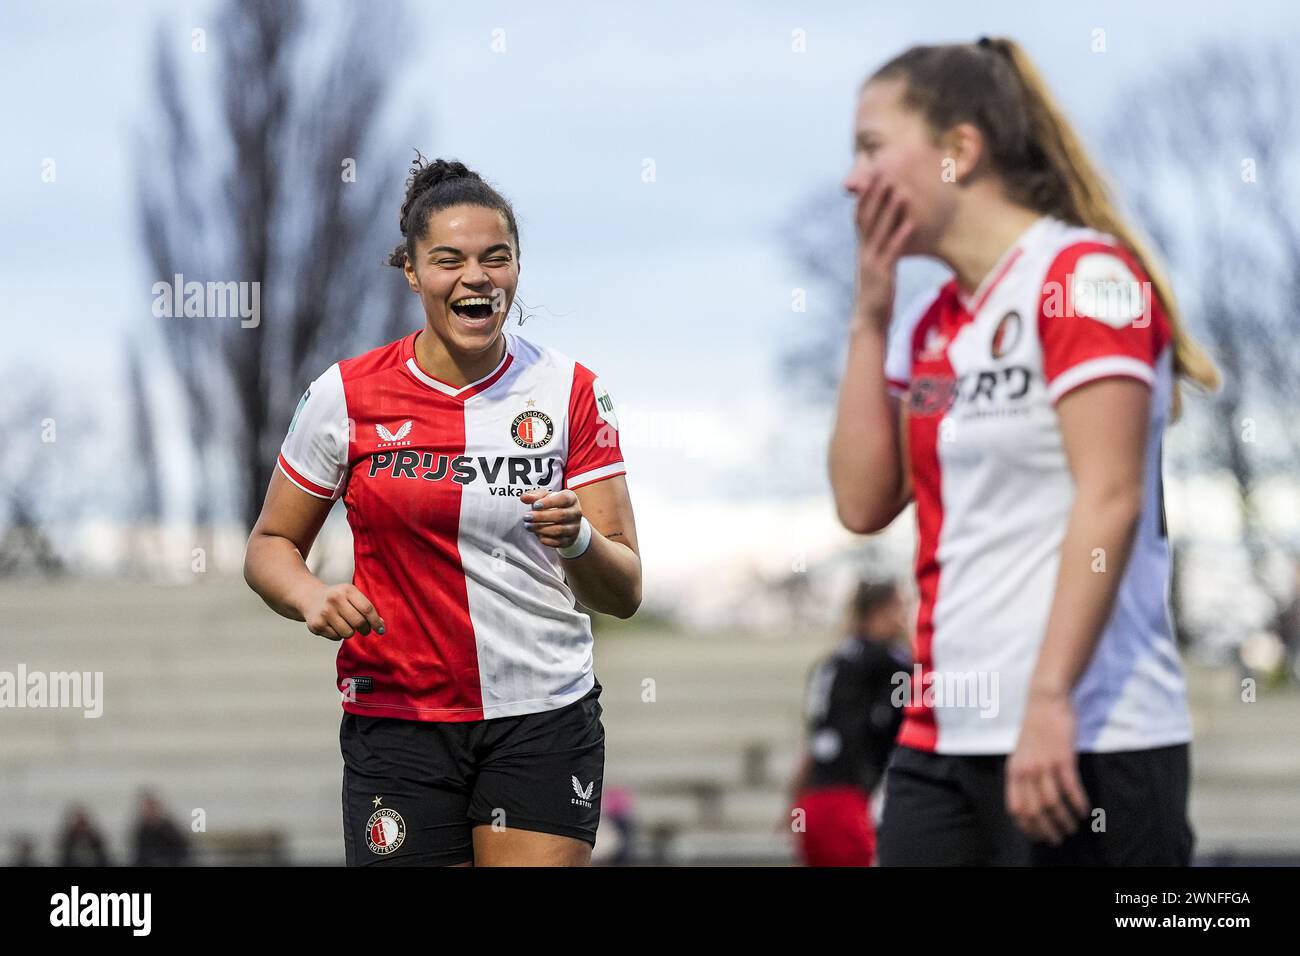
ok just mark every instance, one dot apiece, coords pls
pixel 479 621
pixel 993 491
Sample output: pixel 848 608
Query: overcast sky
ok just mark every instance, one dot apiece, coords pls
pixel 676 292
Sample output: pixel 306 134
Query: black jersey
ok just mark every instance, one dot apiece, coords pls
pixel 852 721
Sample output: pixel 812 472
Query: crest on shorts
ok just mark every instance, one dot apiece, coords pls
pixel 385 831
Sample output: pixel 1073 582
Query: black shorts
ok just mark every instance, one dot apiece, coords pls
pixel 950 810
pixel 413 790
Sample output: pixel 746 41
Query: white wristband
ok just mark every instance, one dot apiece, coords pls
pixel 580 545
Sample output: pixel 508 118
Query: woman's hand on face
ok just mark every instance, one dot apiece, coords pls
pixel 1044 794
pixel 883 228
pixel 337 611
pixel 555 516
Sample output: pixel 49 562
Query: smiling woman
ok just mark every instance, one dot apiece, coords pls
pixel 485 487
pixel 461 257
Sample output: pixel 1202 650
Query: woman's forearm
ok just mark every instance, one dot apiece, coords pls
pixel 274 568
pixel 865 458
pixel 1094 554
pixel 606 577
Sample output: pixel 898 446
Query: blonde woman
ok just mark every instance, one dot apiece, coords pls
pixel 1022 405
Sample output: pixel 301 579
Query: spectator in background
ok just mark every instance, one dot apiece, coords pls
pixel 1287 626
pixel 157 839
pixel 24 851
pixel 81 843
pixel 852 723
pixel 616 810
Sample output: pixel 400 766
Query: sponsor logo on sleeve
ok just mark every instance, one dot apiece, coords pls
pixel 604 404
pixel 298 411
pixel 1103 287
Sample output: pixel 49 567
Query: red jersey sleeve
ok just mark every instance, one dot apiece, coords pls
pixel 1098 317
pixel 593 449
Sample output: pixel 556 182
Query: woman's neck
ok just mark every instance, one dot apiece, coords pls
pixel 979 235
pixel 437 361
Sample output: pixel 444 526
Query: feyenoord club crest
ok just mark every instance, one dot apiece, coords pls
pixel 1006 335
pixel 385 831
pixel 531 429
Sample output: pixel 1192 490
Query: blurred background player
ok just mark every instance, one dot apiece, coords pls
pixel 156 838
pixel 1023 404
pixel 852 723
pixel 82 843
pixel 484 485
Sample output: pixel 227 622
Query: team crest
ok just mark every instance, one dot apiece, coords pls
pixel 532 429
pixel 1006 335
pixel 385 831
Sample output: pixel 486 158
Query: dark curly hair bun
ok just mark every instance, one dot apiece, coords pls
pixel 432 187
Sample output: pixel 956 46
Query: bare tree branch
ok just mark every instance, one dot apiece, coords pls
pixel 297 99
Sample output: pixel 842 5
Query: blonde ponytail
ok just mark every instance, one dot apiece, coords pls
pixel 1086 201
pixel 1037 155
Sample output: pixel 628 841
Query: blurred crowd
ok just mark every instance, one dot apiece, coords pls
pixel 155 840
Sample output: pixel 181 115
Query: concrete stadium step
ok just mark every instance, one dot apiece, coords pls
pixel 216 702
pixel 245 807
pixel 212 772
pixel 730 847
pixel 727 766
pixel 120 742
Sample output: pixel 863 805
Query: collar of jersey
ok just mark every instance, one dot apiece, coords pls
pixel 459 394
pixel 973 302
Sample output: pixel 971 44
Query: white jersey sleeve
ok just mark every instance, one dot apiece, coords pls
pixel 314 455
pixel 898 347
